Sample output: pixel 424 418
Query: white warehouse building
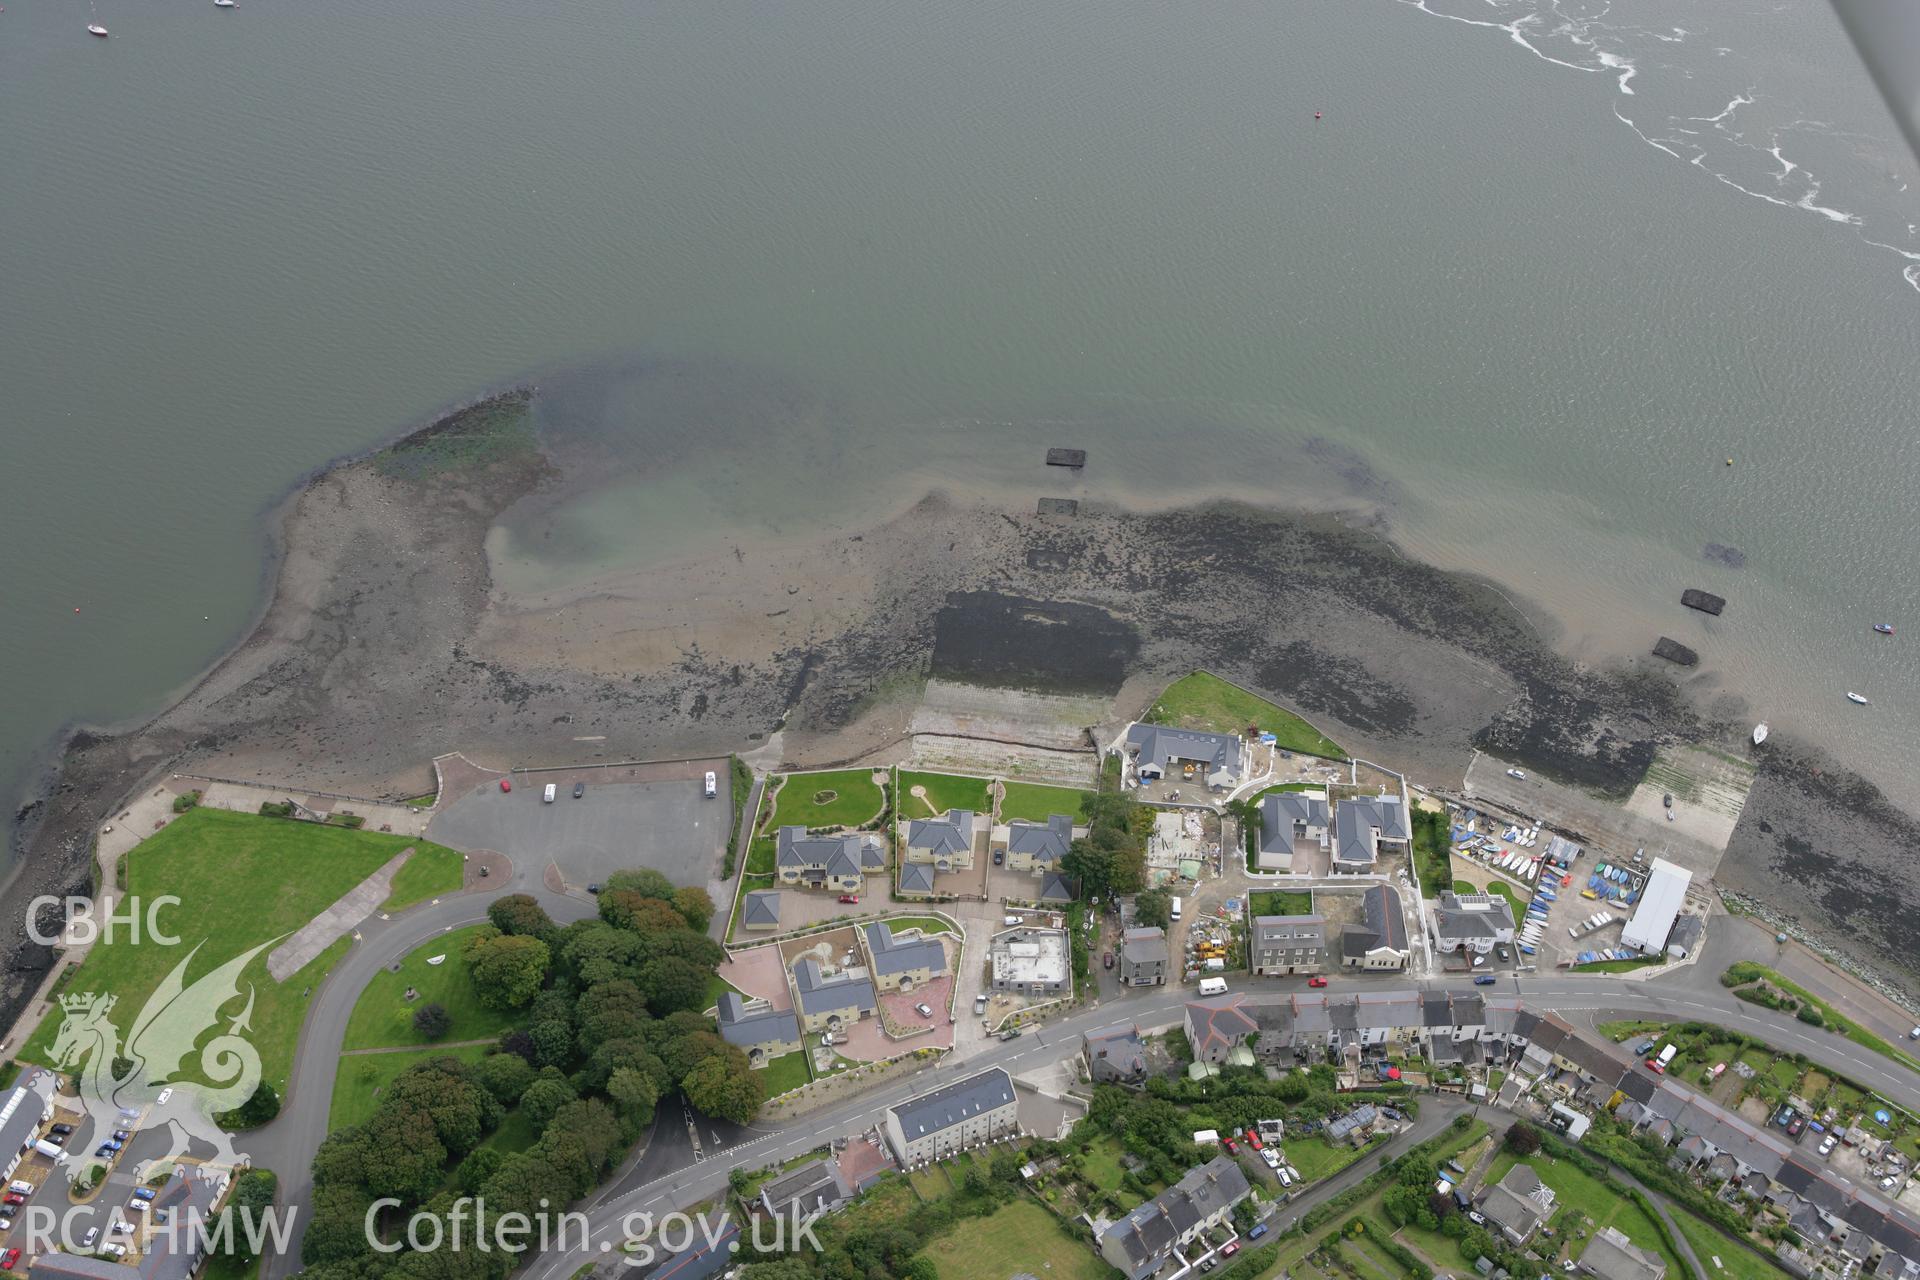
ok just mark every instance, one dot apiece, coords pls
pixel 1660 903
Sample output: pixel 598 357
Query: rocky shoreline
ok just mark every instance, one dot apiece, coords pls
pixel 386 643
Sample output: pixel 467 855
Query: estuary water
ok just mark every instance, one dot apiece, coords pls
pixel 1514 279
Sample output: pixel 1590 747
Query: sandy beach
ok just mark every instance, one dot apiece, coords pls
pixel 385 644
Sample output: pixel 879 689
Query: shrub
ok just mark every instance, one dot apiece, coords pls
pixel 276 808
pixel 183 803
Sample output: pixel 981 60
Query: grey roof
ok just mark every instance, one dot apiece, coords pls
pixel 1612 1256
pixel 1290 931
pixel 172 1256
pixel 916 877
pixel 1055 887
pixel 900 953
pixel 951 1104
pixel 810 1188
pixel 945 836
pixel 820 993
pixel 1341 1127
pixel 81 1266
pixel 1387 1010
pixel 1220 1021
pixel 1511 1201
pixel 848 855
pixel 1144 945
pixel 1473 915
pixel 20 1118
pixel 749 1027
pixel 1161 745
pixel 762 906
pixel 1356 819
pixel 1046 841
pixel 1151 1229
pixel 1118 1049
pixel 1469 1010
pixel 1385 925
pixel 1281 811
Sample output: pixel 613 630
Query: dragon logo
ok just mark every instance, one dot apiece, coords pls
pixel 152 1071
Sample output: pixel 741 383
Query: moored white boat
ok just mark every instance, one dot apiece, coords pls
pixel 1759 734
pixel 1854 697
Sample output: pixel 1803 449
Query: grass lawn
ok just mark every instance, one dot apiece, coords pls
pixel 1281 902
pixel 1368 1260
pixel 840 798
pixel 383 1017
pixel 1619 1032
pixel 1101 1165
pixel 1501 890
pixel 433 870
pixel 718 986
pixel 1036 803
pixel 357 1085
pixel 517 1132
pixel 944 791
pixel 1737 1262
pixel 1203 701
pixel 1020 1237
pixel 1465 886
pixel 925 924
pixel 788 1071
pixel 884 1205
pixel 1316 1158
pixel 1580 1192
pixel 1620 966
pixel 242 880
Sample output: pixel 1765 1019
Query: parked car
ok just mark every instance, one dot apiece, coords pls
pixel 999 857
pixel 1316 981
pixel 166 1095
pixel 579 789
pixel 1106 961
pixel 92 1234
pixel 924 1010
pixel 712 785
pixel 8 1259
pixel 121 1228
pixel 55 1139
pixel 980 1004
pixel 62 1129
pixel 1011 1033
pixel 6 1223
pixel 105 1151
pixel 1229 1143
pixel 1232 1247
pixel 850 899
pixel 1646 1047
pixel 14 1197
pixel 143 1193
pixel 1516 773
pixel 117 1250
pixel 1828 1144
pixel 1259 1229
pixel 121 1135
pixel 506 784
pixel 1253 1140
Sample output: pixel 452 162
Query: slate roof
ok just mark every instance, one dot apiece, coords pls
pixel 1144 945
pixel 1055 887
pixel 747 1028
pixel 1119 1048
pixel 1474 915
pixel 949 835
pixel 916 877
pixel 1160 745
pixel 808 1189
pixel 1611 1255
pixel 903 953
pixel 762 906
pixel 822 994
pixel 1282 811
pixel 1046 841
pixel 171 1255
pixel 848 855
pixel 1217 1022
pixel 1290 932
pixel 1150 1230
pixel 947 1106
pixel 1356 820
pixel 1385 925
pixel 1512 1203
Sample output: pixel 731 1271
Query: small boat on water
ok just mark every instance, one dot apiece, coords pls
pixel 224 4
pixel 1759 734
pixel 1854 697
pixel 1883 628
pixel 96 29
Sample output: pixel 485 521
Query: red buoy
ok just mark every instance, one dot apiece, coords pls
pixel 1316 115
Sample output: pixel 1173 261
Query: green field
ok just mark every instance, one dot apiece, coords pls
pixel 1834 1021
pixel 840 798
pixel 1019 1237
pixel 1280 902
pixel 788 1071
pixel 357 1086
pixel 383 1017
pixel 1737 1262
pixel 1203 701
pixel 925 924
pixel 1580 1192
pixel 242 880
pixel 1316 1158
pixel 433 870
pixel 1036 803
pixel 944 791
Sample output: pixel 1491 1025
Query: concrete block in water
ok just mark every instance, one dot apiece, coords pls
pixel 1704 601
pixel 1066 457
pixel 1674 651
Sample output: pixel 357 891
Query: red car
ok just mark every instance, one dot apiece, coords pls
pixel 506 784
pixel 1253 1139
pixel 1227 1142
pixel 12 1256
pixel 1230 1248
pixel 852 899
pixel 1316 982
pixel 14 1197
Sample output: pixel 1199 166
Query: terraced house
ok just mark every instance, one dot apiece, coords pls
pixel 952 1118
pixel 1150 1237
pixel 944 843
pixel 905 960
pixel 1288 945
pixel 838 864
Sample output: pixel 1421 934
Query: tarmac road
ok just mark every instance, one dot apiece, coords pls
pixel 667 1177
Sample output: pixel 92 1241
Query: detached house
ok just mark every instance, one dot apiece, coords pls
pixel 761 1031
pixel 1288 944
pixel 1144 1241
pixel 1292 824
pixel 903 961
pixel 1518 1203
pixel 1217 758
pixel 945 843
pixel 1612 1256
pixel 1038 846
pixel 1218 1027
pixel 826 998
pixel 1143 957
pixel 835 863
pixel 1471 922
pixel 1364 826
pixel 1380 943
pixel 1116 1055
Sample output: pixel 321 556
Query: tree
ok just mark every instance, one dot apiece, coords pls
pixel 738 1180
pixel 519 913
pixel 724 1085
pixel 626 909
pixel 507 969
pixel 432 1021
pixel 1521 1138
pixel 671 984
pixel 695 906
pixel 262 1105
pixel 253 1193
pixel 544 1097
pixel 644 881
pixel 611 1011
pixel 504 1075
pixel 1153 908
pixel 633 1093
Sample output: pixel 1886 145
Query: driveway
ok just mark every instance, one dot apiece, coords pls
pixel 669 826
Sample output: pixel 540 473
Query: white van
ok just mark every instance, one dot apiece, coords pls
pixel 1213 986
pixel 548 795
pixel 1175 912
